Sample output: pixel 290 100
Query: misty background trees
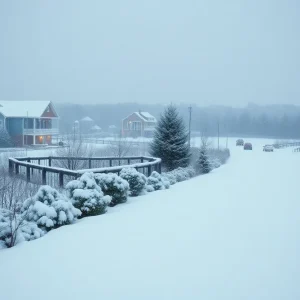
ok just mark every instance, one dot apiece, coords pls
pixel 273 121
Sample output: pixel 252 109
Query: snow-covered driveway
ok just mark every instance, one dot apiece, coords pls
pixel 232 234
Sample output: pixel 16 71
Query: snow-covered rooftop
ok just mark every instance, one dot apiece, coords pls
pixel 32 109
pixel 87 119
pixel 96 127
pixel 147 117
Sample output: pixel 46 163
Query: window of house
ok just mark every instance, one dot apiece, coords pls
pixel 136 125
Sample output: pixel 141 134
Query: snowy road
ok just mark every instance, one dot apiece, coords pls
pixel 232 234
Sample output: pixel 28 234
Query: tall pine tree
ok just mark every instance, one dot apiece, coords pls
pixel 170 142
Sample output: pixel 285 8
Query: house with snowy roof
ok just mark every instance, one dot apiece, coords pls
pixel 29 122
pixel 86 124
pixel 138 124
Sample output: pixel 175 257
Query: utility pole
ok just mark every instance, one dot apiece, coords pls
pixel 218 135
pixel 227 137
pixel 190 122
pixel 27 125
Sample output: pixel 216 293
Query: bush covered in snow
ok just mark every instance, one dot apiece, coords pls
pixel 87 196
pixel 214 163
pixel 170 177
pixel 15 229
pixel 179 174
pixel 149 188
pixel 221 155
pixel 114 186
pixel 157 181
pixel 136 180
pixel 49 209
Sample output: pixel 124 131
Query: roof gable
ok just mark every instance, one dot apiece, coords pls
pixel 147 117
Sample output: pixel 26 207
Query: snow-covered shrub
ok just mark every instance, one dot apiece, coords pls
pixel 179 174
pixel 149 188
pixel 170 177
pixel 114 186
pixel 49 209
pixel 15 229
pixel 87 196
pixel 157 181
pixel 190 171
pixel 220 154
pixel 136 180
pixel 214 163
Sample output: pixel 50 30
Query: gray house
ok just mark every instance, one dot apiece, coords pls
pixel 29 122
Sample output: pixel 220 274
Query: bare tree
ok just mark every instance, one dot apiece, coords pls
pixel 73 149
pixel 14 189
pixel 121 147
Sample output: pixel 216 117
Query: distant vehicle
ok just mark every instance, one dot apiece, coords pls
pixel 247 146
pixel 240 142
pixel 268 148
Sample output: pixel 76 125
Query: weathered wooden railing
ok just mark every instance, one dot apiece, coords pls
pixel 48 170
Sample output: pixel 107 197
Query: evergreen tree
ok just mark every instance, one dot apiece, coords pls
pixel 170 142
pixel 203 161
pixel 5 140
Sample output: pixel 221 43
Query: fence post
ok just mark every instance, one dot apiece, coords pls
pixel 17 168
pixel 44 176
pixel 90 163
pixel 128 161
pixel 28 173
pixel 49 161
pixel 61 179
pixel 110 162
pixel 159 168
pixel 142 159
pixel 10 167
pixel 149 170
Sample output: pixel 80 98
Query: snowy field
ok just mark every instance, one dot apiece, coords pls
pixel 232 234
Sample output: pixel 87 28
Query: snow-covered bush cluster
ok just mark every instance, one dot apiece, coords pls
pixel 15 229
pixel 87 195
pixel 49 209
pixel 137 181
pixel 157 182
pixel 221 155
pixel 179 174
pixel 114 186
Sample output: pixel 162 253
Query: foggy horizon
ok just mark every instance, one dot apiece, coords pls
pixel 198 53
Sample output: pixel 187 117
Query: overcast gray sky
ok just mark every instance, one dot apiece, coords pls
pixel 156 51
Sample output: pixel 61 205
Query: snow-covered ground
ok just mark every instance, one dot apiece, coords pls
pixel 232 234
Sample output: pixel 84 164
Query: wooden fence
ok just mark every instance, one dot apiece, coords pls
pixel 285 145
pixel 48 170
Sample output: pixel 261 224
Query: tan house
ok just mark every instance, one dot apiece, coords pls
pixel 139 124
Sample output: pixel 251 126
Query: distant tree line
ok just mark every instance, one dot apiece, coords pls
pixel 273 121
